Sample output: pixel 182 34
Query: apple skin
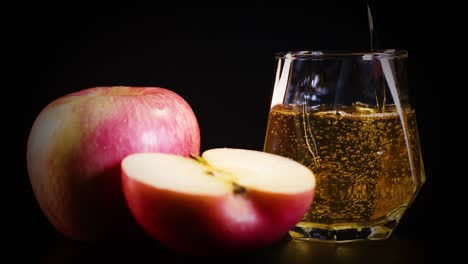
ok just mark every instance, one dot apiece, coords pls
pixel 76 145
pixel 214 225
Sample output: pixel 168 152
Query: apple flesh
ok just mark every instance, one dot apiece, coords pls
pixel 78 141
pixel 227 201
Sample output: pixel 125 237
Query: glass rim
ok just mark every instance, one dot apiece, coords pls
pixel 335 54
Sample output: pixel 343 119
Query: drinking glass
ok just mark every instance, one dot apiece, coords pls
pixel 348 117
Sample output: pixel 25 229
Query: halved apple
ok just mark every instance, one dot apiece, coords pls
pixel 228 200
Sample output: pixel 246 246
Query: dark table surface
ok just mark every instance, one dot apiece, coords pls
pixel 392 250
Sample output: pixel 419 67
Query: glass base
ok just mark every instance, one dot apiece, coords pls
pixel 344 232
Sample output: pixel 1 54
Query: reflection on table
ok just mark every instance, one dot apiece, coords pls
pixel 287 251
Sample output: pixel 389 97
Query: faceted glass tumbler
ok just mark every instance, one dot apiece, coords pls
pixel 348 117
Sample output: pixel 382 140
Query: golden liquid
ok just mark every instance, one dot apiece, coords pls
pixel 359 157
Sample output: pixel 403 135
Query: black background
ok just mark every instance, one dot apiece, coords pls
pixel 221 61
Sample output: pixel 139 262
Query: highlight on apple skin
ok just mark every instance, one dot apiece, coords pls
pixel 76 145
pixel 227 201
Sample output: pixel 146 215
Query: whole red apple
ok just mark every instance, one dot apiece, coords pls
pixel 76 145
pixel 225 202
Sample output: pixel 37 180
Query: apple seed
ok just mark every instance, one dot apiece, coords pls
pixel 237 189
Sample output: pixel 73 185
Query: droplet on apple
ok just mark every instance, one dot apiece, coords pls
pixel 226 201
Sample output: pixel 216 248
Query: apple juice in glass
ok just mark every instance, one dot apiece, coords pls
pixel 348 117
